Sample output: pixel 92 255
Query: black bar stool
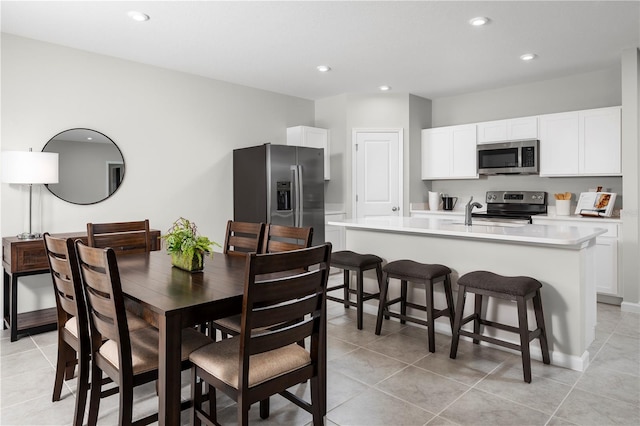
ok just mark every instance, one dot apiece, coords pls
pixel 351 261
pixel 519 289
pixel 422 273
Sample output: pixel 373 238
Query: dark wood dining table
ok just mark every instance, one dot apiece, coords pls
pixel 173 299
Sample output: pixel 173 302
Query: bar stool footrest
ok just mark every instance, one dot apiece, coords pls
pixel 488 339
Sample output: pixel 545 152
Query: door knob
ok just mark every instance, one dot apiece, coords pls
pixel 395 209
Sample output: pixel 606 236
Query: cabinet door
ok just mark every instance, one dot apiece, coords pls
pixel 313 137
pixel 492 131
pixel 464 163
pixel 522 128
pixel 436 153
pixel 607 265
pixel 559 144
pixel 600 133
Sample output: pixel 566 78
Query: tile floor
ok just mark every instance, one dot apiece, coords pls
pixel 386 380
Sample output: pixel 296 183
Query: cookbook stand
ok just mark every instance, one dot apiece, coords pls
pixel 596 204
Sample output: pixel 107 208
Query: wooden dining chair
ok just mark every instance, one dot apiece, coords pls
pixel 122 237
pixel 243 237
pixel 265 359
pixel 73 323
pixel 278 238
pixel 129 358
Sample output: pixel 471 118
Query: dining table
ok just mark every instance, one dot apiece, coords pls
pixel 173 299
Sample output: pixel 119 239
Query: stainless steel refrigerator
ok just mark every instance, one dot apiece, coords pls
pixel 280 184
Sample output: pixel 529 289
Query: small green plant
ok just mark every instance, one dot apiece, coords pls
pixel 186 246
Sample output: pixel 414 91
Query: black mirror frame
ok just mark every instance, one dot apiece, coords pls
pixel 114 144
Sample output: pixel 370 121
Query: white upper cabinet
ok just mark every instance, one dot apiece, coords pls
pixel 449 153
pixel 581 143
pixel 313 137
pixel 505 130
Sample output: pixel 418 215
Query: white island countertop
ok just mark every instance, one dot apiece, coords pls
pixel 553 235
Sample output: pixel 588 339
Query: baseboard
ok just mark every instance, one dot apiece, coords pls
pixel 630 307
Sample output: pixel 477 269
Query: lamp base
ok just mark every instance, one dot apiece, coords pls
pixel 28 236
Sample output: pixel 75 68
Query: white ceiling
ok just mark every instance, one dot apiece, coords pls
pixel 426 48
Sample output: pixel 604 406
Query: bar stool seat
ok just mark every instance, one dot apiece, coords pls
pixel 349 261
pixel 421 273
pixel 519 289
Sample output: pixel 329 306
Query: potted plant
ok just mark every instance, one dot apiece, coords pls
pixel 186 247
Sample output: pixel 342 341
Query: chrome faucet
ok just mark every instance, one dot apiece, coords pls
pixel 467 211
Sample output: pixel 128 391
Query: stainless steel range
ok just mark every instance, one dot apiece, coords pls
pixel 513 206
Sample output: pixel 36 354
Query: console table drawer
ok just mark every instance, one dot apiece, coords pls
pixel 30 258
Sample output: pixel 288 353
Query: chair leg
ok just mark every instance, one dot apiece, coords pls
pixel 430 319
pixel 379 274
pixel 360 297
pixel 449 296
pixel 126 404
pixel 524 338
pixel 455 335
pixel 94 398
pixel 316 405
pixel 477 310
pixel 264 408
pixel 82 388
pixel 346 274
pixel 243 412
pixel 403 300
pixel 61 368
pixel 544 345
pixel 382 305
pixel 196 397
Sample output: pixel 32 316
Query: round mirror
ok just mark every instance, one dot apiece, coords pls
pixel 91 166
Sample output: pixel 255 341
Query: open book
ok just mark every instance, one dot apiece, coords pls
pixel 596 204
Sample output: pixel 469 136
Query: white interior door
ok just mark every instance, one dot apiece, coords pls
pixel 377 172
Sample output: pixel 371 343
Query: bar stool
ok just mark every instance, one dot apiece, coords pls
pixel 519 289
pixel 351 261
pixel 422 273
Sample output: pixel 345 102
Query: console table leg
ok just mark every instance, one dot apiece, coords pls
pixel 13 308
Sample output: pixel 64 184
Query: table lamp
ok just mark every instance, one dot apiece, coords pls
pixel 29 168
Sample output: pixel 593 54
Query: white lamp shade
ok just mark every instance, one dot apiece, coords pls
pixel 27 167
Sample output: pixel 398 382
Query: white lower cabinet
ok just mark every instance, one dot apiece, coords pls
pixel 334 234
pixel 606 263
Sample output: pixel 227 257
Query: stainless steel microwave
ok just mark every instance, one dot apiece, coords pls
pixel 514 157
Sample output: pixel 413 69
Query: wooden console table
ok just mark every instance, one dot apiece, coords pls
pixel 21 258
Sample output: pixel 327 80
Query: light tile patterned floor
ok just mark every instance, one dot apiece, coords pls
pixel 390 379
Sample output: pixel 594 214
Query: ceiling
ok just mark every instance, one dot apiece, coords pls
pixel 426 48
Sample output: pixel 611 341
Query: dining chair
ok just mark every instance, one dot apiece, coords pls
pixel 122 237
pixel 265 358
pixel 73 323
pixel 277 238
pixel 243 237
pixel 128 357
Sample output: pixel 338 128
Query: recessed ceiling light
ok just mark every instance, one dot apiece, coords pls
pixel 89 138
pixel 384 88
pixel 479 21
pixel 323 68
pixel 528 56
pixel 138 16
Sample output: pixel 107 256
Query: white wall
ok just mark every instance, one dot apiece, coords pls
pixel 176 133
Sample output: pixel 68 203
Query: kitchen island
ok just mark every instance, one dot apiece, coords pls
pixel 561 257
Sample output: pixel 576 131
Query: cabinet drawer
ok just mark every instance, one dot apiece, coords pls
pixel 30 257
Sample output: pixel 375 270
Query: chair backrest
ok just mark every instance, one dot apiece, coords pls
pixel 243 238
pixel 105 301
pixel 67 284
pixel 279 238
pixel 122 237
pixel 284 302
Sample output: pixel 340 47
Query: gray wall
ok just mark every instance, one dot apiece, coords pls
pixel 176 132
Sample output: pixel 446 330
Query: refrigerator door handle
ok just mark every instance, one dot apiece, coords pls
pixel 295 170
pixel 300 195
